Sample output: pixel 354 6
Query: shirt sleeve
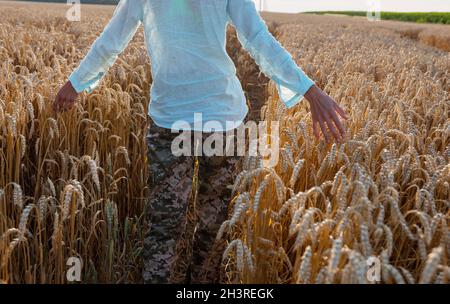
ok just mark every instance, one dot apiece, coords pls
pixel 292 83
pixel 107 47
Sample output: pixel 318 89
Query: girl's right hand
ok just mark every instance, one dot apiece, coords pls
pixel 325 112
pixel 65 99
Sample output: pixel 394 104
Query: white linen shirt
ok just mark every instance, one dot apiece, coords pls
pixel 192 72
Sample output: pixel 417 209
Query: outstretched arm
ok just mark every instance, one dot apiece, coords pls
pixel 103 53
pixel 292 83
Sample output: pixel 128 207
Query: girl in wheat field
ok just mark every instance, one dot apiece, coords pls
pixel 196 92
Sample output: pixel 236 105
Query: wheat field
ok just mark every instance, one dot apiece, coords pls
pixel 75 184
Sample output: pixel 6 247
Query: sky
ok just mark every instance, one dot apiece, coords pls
pixel 294 6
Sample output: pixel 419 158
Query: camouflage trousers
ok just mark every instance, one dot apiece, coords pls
pixel 188 203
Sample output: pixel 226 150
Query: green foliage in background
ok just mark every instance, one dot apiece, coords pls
pixel 443 18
